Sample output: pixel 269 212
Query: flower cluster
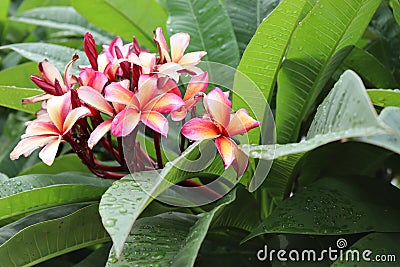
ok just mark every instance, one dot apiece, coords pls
pixel 125 86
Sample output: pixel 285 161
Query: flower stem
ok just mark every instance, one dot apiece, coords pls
pixel 157 146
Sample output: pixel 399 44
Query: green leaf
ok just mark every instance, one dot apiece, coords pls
pixel 26 5
pixel 121 205
pixel 170 239
pixel 57 55
pixel 383 245
pixel 48 239
pixel 209 27
pixel 336 206
pixel 26 194
pixel 4 5
pixel 345 113
pixel 264 54
pixel 63 18
pixel 391 117
pixel 13 90
pixel 125 18
pixel 64 163
pixel 319 44
pixel 246 16
pixel 369 68
pixel 384 97
pixel 396 9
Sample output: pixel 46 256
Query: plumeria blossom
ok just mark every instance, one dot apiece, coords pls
pixel 49 129
pixel 178 61
pixel 197 85
pixel 221 125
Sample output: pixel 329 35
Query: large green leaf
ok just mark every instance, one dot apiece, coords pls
pixel 168 239
pixel 209 27
pixel 30 193
pixel 13 90
pixel 383 247
pixel 264 54
pixel 396 9
pixel 345 113
pixel 319 44
pixel 385 97
pixel 57 55
pixel 127 198
pixel 246 16
pixel 333 206
pixel 63 18
pixel 374 72
pixel 125 18
pixel 4 5
pixel 44 240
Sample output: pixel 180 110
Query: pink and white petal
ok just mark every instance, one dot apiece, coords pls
pixel 99 132
pixel 161 44
pixel 200 129
pixel 165 103
pixel 241 162
pixel 95 79
pixel 179 114
pixel 117 93
pixel 167 85
pixel 179 42
pixel 36 98
pixel 191 70
pixel 28 145
pixel 147 62
pixel 218 106
pixel 192 58
pixel 147 89
pixel 134 59
pixel 170 70
pixel 102 62
pixel 125 121
pixel 93 98
pixel 241 123
pixel 58 108
pixel 49 152
pixel 73 116
pixel 155 121
pixel 226 148
pixel 40 128
pixel 198 84
pixel 50 73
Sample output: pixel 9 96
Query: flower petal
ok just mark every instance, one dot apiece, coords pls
pixel 50 73
pixel 28 145
pixel 73 116
pixel 192 58
pixel 94 79
pixel 40 128
pixel 241 123
pixel 162 45
pixel 179 42
pixel 147 62
pixel 147 89
pixel 49 152
pixel 58 108
pixel 241 162
pixel 226 148
pixel 93 98
pixel 218 106
pixel 165 103
pixel 200 129
pixel 36 98
pixel 155 121
pixel 171 70
pixel 167 85
pixel 198 84
pixel 125 121
pixel 118 93
pixel 179 114
pixel 99 132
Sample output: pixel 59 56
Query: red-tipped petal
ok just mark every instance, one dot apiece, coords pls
pixel 49 152
pixel 155 121
pixel 241 123
pixel 199 129
pixel 197 84
pixel 165 103
pixel 125 121
pixel 99 132
pixel 49 72
pixel 161 45
pixel 147 89
pixel 118 93
pixel 73 116
pixel 94 79
pixel 179 42
pixel 40 128
pixel 94 99
pixel 58 108
pixel 28 145
pixel 226 148
pixel 218 106
pixel 43 84
pixel 179 114
pixel 167 85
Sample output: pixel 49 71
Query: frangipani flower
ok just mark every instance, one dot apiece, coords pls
pixel 221 125
pixel 197 85
pixel 178 61
pixel 49 130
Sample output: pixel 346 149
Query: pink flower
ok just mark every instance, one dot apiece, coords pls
pixel 49 129
pixel 197 85
pixel 220 125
